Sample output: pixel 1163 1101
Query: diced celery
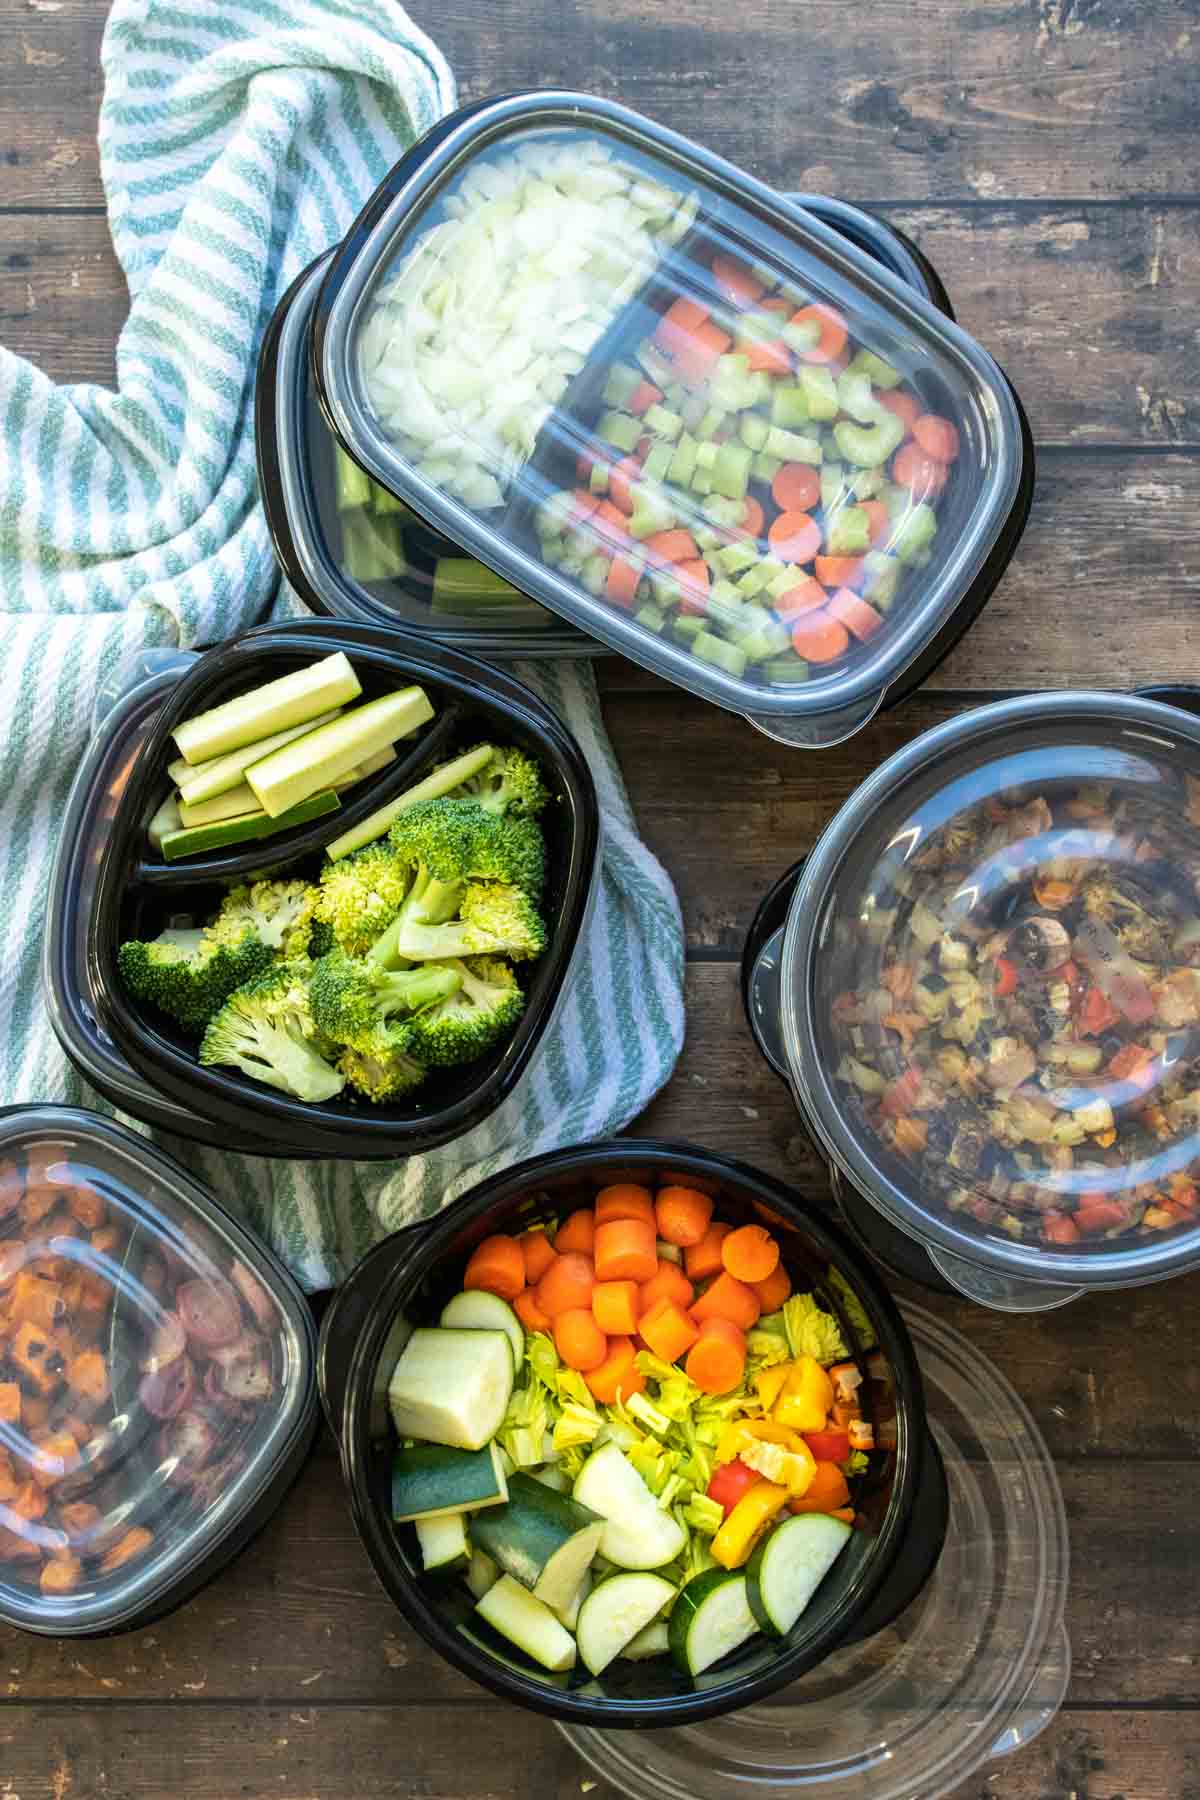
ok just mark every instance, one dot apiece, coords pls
pixel 789 576
pixel 731 471
pixel 914 533
pixel 869 445
pixel 623 382
pixel 752 429
pixel 687 626
pixel 651 511
pixel 866 484
pixel 715 650
pixel 758 388
pixel 875 369
pixel 711 422
pixel 789 407
pixel 881 579
pixel 736 557
pixel 722 510
pixel 733 366
pixel 833 486
pixel 554 512
pixel 657 466
pixel 594 573
pixel 753 581
pixel 784 671
pixel 661 422
pixel 765 468
pixel 855 397
pixel 683 460
pixel 801 334
pixel 897 499
pixel 766 641
pixel 921 560
pixel 463 585
pixel 702 482
pixel 848 532
pixel 706 455
pixel 621 429
pixel 554 551
pixel 790 446
pixel 758 327
pixel 820 392
pixel 724 593
pixel 704 535
pixel 651 617
pixel 598 478
pixel 665 587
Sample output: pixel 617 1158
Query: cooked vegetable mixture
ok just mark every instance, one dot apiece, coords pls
pixel 629 1434
pixel 1023 1027
pixel 82 1494
pixel 759 487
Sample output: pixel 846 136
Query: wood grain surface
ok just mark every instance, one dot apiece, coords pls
pixel 1043 154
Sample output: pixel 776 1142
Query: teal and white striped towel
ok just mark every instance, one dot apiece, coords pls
pixel 237 142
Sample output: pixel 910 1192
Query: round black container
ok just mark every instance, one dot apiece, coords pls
pixel 1004 1276
pixel 408 1279
pixel 136 894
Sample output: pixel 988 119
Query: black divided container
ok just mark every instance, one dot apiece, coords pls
pixel 136 894
pixel 406 1281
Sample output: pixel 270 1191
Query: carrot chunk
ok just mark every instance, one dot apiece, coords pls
pixel 530 1313
pixel 566 1285
pixel 717 1360
pixel 668 1330
pixel 577 1233
pixel 618 1376
pixel 579 1340
pixel 774 1290
pixel 728 1298
pixel 537 1253
pixel 704 1259
pixel 683 1215
pixel 670 1283
pixel 624 1200
pixel 626 1251
pixel 750 1254
pixel 615 1307
pixel 497 1266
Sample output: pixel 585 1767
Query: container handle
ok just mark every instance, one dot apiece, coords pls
pixel 1003 1293
pixel 1042 1699
pixel 344 1318
pixel 146 666
pixel 761 953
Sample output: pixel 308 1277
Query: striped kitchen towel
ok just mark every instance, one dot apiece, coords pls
pixel 237 142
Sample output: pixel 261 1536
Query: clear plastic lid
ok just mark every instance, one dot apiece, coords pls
pixel 673 406
pixel 155 1369
pixel 991 990
pixel 974 1669
pixel 353 549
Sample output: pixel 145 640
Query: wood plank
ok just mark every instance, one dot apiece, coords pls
pixel 441 1752
pixel 301 1619
pixel 1082 306
pixel 48 151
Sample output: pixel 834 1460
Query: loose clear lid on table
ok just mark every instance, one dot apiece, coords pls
pixel 974 1669
pixel 990 991
pixel 672 406
pixel 155 1371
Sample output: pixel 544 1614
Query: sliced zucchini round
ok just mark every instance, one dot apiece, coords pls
pixel 637 1533
pixel 615 1612
pixel 789 1565
pixel 476 1311
pixel 710 1619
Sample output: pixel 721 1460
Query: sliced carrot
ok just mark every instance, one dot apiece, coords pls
pixel 621 477
pixel 608 525
pixel 880 520
pixel 796 488
pixel 644 396
pixel 704 1259
pixel 753 518
pixel 681 319
pixel 839 571
pixel 717 1360
pixel 616 1306
pixel 126 1548
pixel 583 504
pixel 772 356
pixel 819 638
pixel 774 1290
pixel 566 1285
pixel 693 579
pixel 860 619
pixel 618 1376
pixel 497 1266
pixel 697 355
pixel 538 1253
pixel 795 537
pixel 906 406
pixel 914 468
pixel 825 1492
pixel 625 1251
pixel 728 1298
pixel 937 437
pixel 834 332
pixel 579 1340
pixel 671 546
pixel 683 1215
pixel 750 1253
pixel 668 1330
pixel 669 1284
pixel 804 597
pixel 624 1200
pixel 577 1232
pixel 622 584
pixel 735 281
pixel 530 1313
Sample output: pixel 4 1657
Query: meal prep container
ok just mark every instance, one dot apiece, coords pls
pixel 1045 852
pixel 135 894
pixel 407 1280
pixel 313 520
pixel 972 1671
pixel 158 1378
pixel 493 484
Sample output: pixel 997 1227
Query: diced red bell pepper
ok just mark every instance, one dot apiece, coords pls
pixel 1098 1213
pixel 828 1446
pixel 901 1096
pixel 1057 1228
pixel 1096 1013
pixel 730 1482
pixel 1006 977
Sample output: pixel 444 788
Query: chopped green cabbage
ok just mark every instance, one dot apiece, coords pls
pixel 812 1331
pixel 852 1306
pixel 857 1463
pixel 526 1421
pixel 576 1425
pixel 705 1515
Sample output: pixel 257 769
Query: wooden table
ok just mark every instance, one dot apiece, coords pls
pixel 1040 151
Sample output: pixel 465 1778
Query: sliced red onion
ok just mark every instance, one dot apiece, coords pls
pixel 210 1313
pixel 168 1342
pixel 167 1391
pixel 188 1442
pixel 249 1379
pixel 254 1294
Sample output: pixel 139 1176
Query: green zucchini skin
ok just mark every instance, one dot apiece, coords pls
pixel 710 1618
pixel 430 1481
pixel 543 1539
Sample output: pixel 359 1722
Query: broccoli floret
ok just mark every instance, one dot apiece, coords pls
pixel 359 895
pixel 485 1007
pixel 352 997
pixel 187 975
pixel 279 911
pixel 266 1030
pixel 460 840
pixel 494 920
pixel 383 1069
pixel 510 782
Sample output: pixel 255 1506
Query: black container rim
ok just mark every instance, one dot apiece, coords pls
pixel 853 697
pixel 191 1573
pixel 421 1247
pixel 289 1127
pixel 812 1081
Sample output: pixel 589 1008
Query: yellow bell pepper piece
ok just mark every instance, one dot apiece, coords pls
pixel 739 1433
pixel 806 1398
pixel 769 1383
pixel 746 1523
pixel 791 1465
